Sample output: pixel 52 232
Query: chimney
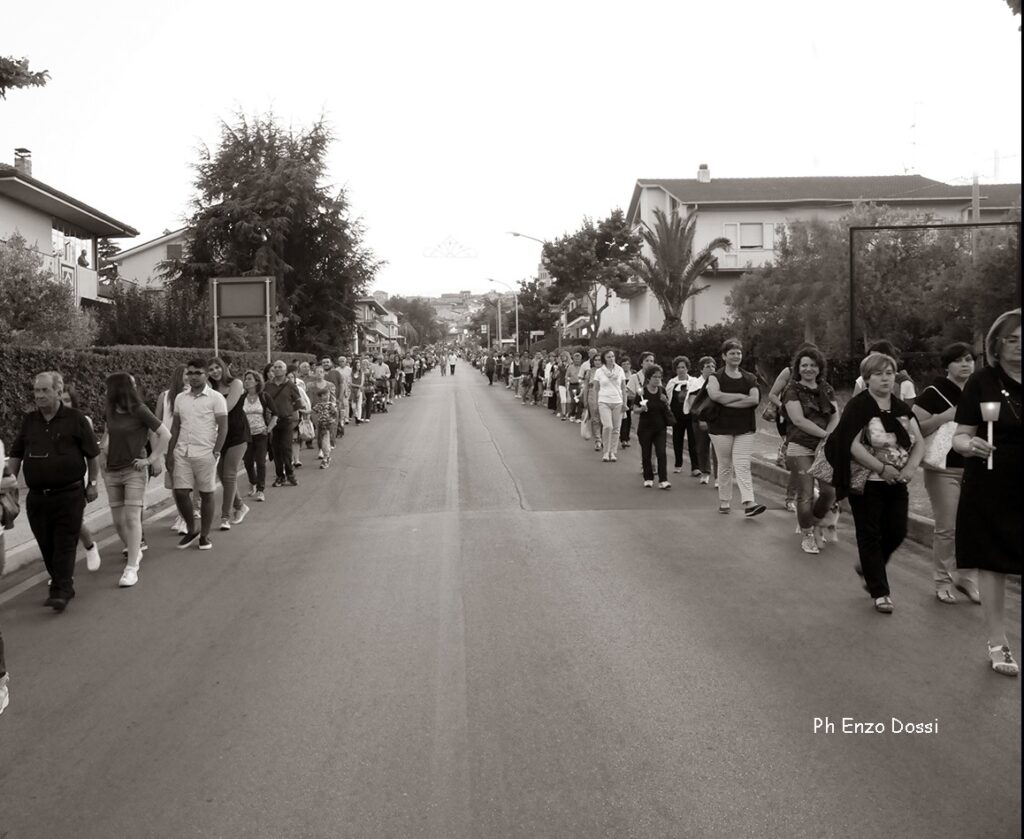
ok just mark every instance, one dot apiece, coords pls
pixel 23 162
pixel 704 174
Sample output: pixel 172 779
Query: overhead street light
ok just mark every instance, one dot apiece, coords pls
pixel 525 236
pixel 515 298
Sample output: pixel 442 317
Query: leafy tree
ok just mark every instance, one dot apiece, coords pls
pixel 673 270
pixel 535 312
pixel 419 314
pixel 14 73
pixel 36 309
pixel 177 316
pixel 1014 8
pixel 487 316
pixel 105 251
pixel 593 263
pixel 261 208
pixel 919 288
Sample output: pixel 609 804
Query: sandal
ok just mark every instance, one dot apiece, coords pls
pixel 883 605
pixel 945 595
pixel 1002 660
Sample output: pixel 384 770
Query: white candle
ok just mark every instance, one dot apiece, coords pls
pixel 990 414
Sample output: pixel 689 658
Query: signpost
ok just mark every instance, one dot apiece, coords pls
pixel 242 298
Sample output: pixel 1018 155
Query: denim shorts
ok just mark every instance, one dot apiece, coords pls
pixel 125 487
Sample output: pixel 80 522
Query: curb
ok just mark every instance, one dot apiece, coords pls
pixel 24 560
pixel 919 529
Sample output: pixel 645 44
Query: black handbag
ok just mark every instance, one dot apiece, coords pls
pixel 704 409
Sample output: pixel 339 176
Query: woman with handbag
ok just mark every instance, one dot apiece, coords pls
pixel 653 421
pixel 874 453
pixel 935 410
pixel 706 461
pixel 775 411
pixel 810 405
pixel 733 426
pixel 324 403
pixel 988 531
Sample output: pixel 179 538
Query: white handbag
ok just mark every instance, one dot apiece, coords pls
pixel 939 443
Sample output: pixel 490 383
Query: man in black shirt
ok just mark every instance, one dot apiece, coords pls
pixel 56 444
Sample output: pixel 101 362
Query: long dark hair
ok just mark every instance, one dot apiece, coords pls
pixel 225 377
pixel 121 393
pixel 177 382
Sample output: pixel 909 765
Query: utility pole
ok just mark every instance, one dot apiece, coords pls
pixel 500 345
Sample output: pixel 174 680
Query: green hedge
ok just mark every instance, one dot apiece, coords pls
pixel 88 369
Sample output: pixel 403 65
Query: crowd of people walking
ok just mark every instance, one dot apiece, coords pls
pixel 209 422
pixel 963 432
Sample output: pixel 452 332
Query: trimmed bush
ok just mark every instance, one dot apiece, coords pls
pixel 88 369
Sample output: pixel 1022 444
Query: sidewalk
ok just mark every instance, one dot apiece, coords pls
pixel 19 546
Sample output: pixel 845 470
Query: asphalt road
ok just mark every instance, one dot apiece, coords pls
pixel 471 627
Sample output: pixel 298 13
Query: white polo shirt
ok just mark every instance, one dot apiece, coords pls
pixel 198 412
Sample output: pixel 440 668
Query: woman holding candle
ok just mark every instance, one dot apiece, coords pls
pixel 988 436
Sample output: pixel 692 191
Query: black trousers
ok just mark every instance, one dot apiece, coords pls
pixel 626 428
pixel 283 434
pixel 452 366
pixel 653 439
pixel 682 432
pixel 880 517
pixel 56 521
pixel 490 376
pixel 255 460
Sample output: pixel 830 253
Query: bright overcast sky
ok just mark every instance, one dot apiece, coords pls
pixel 465 120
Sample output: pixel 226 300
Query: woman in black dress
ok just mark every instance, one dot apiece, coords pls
pixel 988 531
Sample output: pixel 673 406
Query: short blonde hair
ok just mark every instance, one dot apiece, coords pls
pixel 876 362
pixel 1003 326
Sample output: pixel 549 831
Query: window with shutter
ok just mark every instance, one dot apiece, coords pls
pixel 751 236
pixel 769 236
pixel 731 232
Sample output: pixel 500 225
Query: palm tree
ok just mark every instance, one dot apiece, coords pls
pixel 672 270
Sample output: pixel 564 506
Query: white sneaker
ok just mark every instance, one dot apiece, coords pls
pixel 129 578
pixel 5 693
pixel 809 545
pixel 648 483
pixel 664 485
pixel 225 524
pixel 238 515
pixel 92 557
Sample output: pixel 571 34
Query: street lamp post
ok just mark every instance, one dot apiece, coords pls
pixel 515 299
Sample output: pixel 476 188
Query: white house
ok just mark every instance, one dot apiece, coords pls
pixel 748 212
pixel 62 230
pixel 142 263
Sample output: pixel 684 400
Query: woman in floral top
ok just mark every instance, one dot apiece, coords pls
pixel 874 453
pixel 812 415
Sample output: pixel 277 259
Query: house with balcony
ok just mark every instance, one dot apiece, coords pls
pixel 749 212
pixel 143 264
pixel 61 229
pixel 376 327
